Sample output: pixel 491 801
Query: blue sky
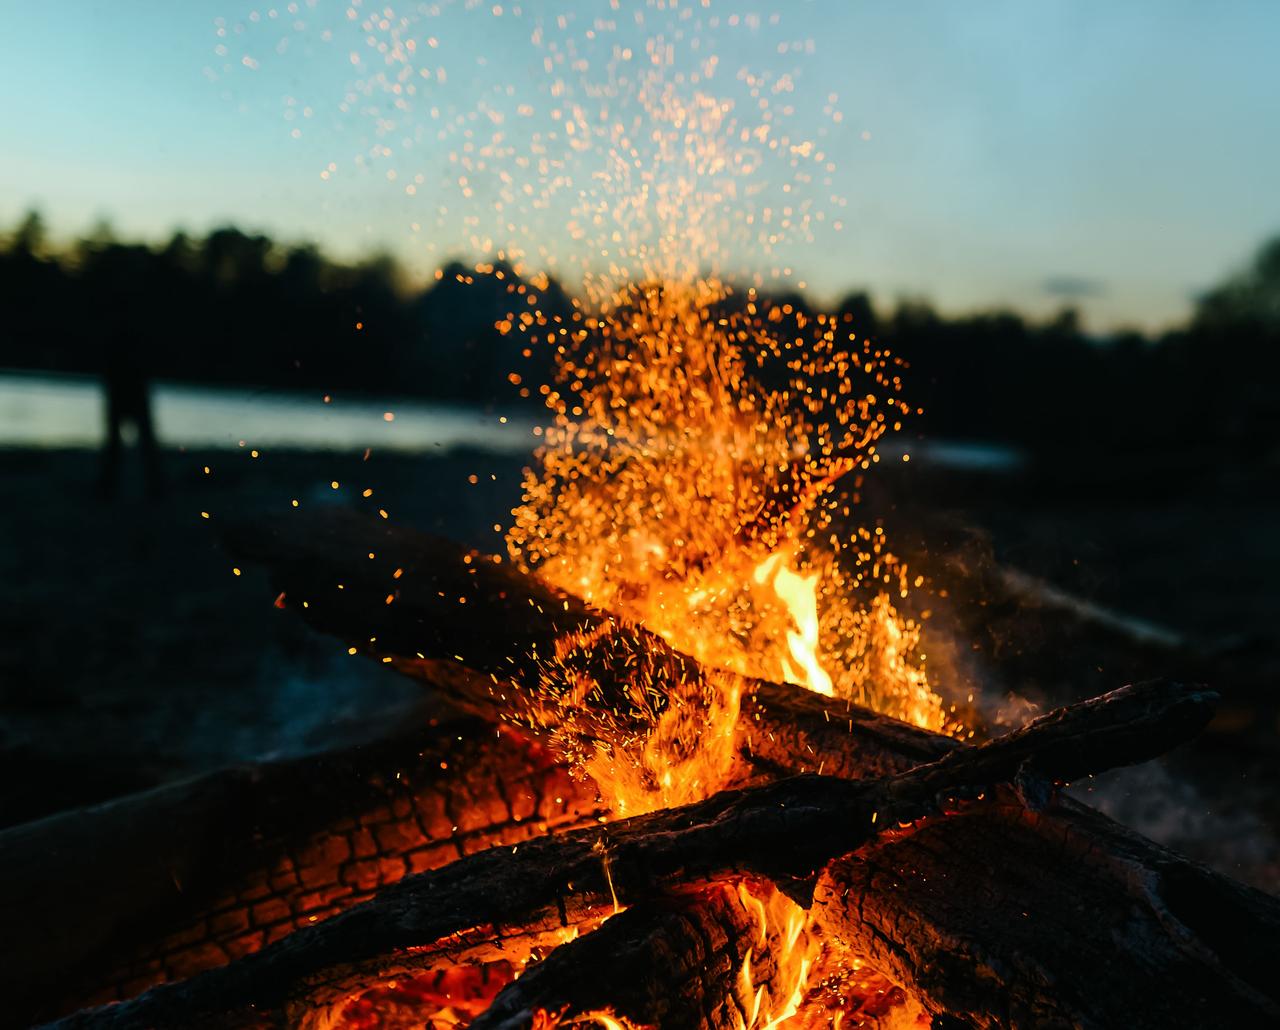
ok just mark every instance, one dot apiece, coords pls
pixel 1125 153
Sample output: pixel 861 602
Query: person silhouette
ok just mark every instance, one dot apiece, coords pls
pixel 128 401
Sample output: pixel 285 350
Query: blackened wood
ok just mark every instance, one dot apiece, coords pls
pixel 720 958
pixel 483 634
pixel 1001 917
pixel 161 885
pixel 786 831
pixel 673 962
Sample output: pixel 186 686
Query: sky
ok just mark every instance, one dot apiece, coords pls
pixel 1120 156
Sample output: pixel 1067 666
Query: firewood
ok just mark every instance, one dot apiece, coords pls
pixel 726 956
pixel 785 831
pixel 785 728
pixel 1078 929
pixel 161 885
pixel 674 962
pixel 483 634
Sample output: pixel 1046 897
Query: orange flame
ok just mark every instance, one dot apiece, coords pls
pixel 784 934
pixel 690 482
pixel 800 595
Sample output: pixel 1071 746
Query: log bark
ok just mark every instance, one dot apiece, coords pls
pixel 484 635
pixel 788 729
pixel 674 962
pixel 161 885
pixel 723 957
pixel 785 831
pixel 1080 929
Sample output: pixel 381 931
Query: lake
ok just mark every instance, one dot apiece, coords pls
pixel 69 411
pixel 41 410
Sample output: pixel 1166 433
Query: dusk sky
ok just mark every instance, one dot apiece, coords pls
pixel 1117 155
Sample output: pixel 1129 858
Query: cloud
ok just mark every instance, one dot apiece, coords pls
pixel 1074 287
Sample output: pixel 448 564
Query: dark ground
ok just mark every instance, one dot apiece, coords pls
pixel 131 654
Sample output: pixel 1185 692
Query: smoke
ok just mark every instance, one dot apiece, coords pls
pixel 1224 833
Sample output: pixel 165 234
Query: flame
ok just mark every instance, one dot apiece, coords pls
pixel 785 936
pixel 694 481
pixel 800 595
pixel 691 492
pixel 607 1020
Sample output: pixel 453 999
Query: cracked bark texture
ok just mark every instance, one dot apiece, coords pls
pixel 538 888
pixel 1059 927
pixel 171 882
pixel 673 962
pixel 785 831
pixel 678 963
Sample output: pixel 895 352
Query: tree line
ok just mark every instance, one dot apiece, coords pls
pixel 237 307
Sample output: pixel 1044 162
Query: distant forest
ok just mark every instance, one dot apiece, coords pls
pixel 239 308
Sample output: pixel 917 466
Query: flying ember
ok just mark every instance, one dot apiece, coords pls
pixel 699 475
pixel 691 481
pixel 708 439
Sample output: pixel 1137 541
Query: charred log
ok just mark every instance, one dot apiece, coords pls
pixel 483 634
pixel 786 831
pixel 167 883
pixel 727 956
pixel 675 962
pixel 1081 929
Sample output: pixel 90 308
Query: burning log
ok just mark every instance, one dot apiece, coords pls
pixel 785 729
pixel 673 962
pixel 784 831
pixel 726 956
pixel 483 634
pixel 1075 934
pixel 194 875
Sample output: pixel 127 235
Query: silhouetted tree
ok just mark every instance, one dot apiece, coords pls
pixel 239 307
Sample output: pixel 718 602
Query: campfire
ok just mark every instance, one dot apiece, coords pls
pixel 699 776
pixel 699 773
pixel 472 874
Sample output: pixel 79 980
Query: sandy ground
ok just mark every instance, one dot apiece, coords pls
pixel 130 654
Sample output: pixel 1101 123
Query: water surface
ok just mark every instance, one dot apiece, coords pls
pixel 69 411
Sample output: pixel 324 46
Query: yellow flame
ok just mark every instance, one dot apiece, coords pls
pixel 785 937
pixel 800 595
pixel 606 1020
